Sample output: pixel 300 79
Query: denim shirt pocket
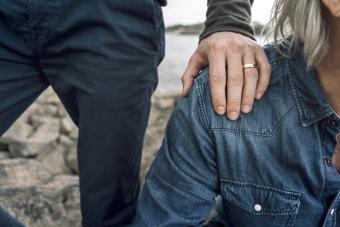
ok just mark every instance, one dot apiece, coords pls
pixel 248 204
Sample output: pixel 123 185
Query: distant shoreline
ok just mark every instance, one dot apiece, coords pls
pixel 197 29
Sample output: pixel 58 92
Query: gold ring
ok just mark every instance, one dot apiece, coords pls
pixel 247 66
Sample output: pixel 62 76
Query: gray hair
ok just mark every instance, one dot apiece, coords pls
pixel 305 21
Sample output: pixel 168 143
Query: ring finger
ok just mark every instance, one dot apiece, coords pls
pixel 251 77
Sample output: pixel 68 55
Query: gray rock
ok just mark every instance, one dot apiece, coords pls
pixel 27 114
pixel 65 141
pixel 51 110
pixel 38 120
pixel 45 110
pixel 71 159
pixel 165 100
pixel 3 146
pixel 163 104
pixel 67 125
pixel 56 203
pixel 53 160
pixel 166 103
pixel 19 131
pixel 42 139
pixel 61 111
pixel 36 190
pixel 21 173
pixel 48 97
pixel 74 133
pixel 4 155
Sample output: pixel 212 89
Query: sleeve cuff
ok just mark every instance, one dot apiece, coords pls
pixel 227 28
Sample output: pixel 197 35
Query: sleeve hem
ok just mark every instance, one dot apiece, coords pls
pixel 209 31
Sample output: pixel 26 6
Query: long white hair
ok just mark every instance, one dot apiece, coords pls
pixel 305 21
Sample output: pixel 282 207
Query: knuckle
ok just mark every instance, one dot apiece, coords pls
pixel 192 59
pixel 218 46
pixel 267 69
pixel 250 49
pixel 235 47
pixel 195 59
pixel 217 77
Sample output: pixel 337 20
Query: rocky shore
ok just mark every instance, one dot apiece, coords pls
pixel 38 161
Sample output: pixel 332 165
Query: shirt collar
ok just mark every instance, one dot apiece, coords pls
pixel 311 100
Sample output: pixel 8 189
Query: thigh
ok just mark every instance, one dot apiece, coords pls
pixel 20 85
pixel 20 80
pixel 105 74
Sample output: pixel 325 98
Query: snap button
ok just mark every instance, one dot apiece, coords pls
pixel 332 211
pixel 258 207
pixel 333 123
pixel 327 162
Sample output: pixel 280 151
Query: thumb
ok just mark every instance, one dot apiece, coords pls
pixel 195 65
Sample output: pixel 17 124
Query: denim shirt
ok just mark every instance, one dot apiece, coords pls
pixel 271 167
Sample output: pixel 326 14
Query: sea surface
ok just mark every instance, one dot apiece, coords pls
pixel 179 49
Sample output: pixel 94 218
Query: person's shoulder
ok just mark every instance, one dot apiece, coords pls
pixel 278 55
pixel 275 105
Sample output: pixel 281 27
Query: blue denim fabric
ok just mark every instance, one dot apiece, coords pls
pixel 101 58
pixel 271 167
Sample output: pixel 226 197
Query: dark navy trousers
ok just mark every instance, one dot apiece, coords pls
pixel 101 58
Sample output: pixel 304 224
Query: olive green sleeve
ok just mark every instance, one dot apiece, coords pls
pixel 228 15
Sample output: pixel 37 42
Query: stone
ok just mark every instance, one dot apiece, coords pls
pixel 3 146
pixel 61 111
pixel 21 173
pixel 48 97
pixel 163 104
pixel 67 125
pixel 53 204
pixel 152 142
pixel 154 116
pixel 166 103
pixel 74 133
pixel 65 141
pixel 53 160
pixel 27 114
pixel 19 131
pixel 43 190
pixel 46 110
pixel 40 140
pixel 38 120
pixel 71 159
pixel 4 155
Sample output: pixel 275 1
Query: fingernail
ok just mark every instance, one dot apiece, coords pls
pixel 220 110
pixel 233 116
pixel 246 109
pixel 258 95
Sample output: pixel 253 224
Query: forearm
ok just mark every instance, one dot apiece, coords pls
pixel 228 15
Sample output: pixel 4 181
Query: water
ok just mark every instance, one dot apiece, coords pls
pixel 179 49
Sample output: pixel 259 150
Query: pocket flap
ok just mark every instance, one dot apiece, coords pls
pixel 259 199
